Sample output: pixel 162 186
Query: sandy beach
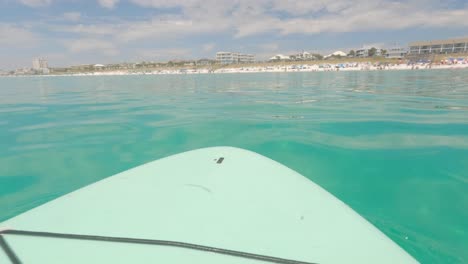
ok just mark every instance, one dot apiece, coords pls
pixel 294 68
pixel 348 66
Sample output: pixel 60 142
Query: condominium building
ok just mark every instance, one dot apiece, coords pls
pixel 223 57
pixel 361 53
pixel 204 62
pixel 439 46
pixel 280 57
pixel 396 52
pixel 40 64
pixel 364 52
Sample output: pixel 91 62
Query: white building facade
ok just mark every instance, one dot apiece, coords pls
pixel 439 46
pixel 364 52
pixel 303 56
pixel 396 53
pixel 224 57
pixel 40 64
pixel 280 57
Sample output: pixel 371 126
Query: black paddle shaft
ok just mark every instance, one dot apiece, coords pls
pixel 15 260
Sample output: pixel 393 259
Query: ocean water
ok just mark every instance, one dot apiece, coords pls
pixel 391 144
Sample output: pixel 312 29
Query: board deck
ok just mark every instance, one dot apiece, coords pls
pixel 221 197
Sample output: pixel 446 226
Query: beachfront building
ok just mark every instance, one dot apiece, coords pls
pixel 246 58
pixel 119 66
pixel 39 64
pixel 396 53
pixel 23 71
pixel 335 54
pixel 99 67
pixel 82 68
pixel 302 56
pixel 224 57
pixel 280 57
pixel 439 46
pixel 204 62
pixel 364 52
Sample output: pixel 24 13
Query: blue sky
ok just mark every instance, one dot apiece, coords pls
pixel 68 32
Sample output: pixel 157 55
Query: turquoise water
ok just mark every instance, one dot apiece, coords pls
pixel 391 144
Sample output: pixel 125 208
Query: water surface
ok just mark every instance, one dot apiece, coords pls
pixel 391 144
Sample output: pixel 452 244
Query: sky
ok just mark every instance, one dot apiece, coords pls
pixel 71 32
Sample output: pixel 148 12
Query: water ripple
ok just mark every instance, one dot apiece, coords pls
pixel 393 145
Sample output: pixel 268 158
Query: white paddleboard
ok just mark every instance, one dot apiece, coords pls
pixel 213 205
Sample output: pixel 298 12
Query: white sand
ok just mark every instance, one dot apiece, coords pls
pixel 283 68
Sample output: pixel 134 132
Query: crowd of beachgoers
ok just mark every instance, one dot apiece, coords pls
pixel 352 66
pixel 457 63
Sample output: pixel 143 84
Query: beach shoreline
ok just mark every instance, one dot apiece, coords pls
pixel 269 69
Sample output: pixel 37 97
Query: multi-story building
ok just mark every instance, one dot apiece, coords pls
pixel 40 64
pixel 303 56
pixel 396 52
pixel 23 71
pixel 223 57
pixel 361 53
pixel 280 57
pixel 439 46
pixel 364 52
pixel 204 62
pixel 246 58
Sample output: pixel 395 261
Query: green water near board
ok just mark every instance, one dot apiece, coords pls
pixel 393 145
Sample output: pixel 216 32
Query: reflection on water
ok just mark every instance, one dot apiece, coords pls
pixel 392 145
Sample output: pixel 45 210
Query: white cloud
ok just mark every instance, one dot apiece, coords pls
pixel 98 29
pixel 257 25
pixel 158 29
pixel 385 19
pixel 92 45
pixel 108 3
pixel 269 46
pixel 72 16
pixel 12 35
pixel 323 7
pixel 248 18
pixel 164 54
pixel 166 3
pixel 377 45
pixel 242 18
pixel 208 47
pixel 35 3
pixel 167 29
pixel 180 21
